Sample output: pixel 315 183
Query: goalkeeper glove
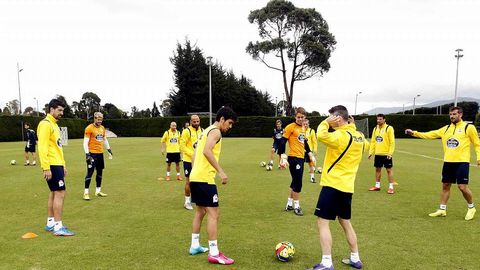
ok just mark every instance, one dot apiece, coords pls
pixel 283 161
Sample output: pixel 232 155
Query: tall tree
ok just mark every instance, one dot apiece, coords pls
pixel 111 111
pixel 13 107
pixel 155 111
pixel 67 112
pixel 165 107
pixel 90 102
pixel 298 35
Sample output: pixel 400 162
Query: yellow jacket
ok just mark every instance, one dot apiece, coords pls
pixel 188 142
pixel 50 148
pixel 172 140
pixel 456 140
pixel 345 147
pixel 383 141
pixel 312 139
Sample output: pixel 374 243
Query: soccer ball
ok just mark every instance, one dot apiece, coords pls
pixel 13 162
pixel 268 167
pixel 318 170
pixel 263 164
pixel 284 251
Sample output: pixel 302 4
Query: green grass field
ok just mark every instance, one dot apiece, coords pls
pixel 142 223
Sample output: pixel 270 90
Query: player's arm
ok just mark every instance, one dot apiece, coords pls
pixel 163 146
pixel 43 131
pixel 213 137
pixel 313 141
pixel 391 139
pixel 373 142
pixel 434 134
pixel 473 135
pixel 107 146
pixel 325 137
pixel 183 143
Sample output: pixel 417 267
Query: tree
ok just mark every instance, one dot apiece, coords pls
pixel 134 113
pixel 13 107
pixel 90 102
pixel 67 112
pixel 155 111
pixel 29 111
pixel 6 111
pixel 299 35
pixel 165 107
pixel 110 111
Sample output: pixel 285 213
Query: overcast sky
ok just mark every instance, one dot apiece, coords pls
pixel 120 49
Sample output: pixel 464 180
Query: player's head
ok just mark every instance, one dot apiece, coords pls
pixel 26 125
pixel 380 119
pixel 341 111
pixel 55 108
pixel 97 118
pixel 300 114
pixel 456 114
pixel 278 124
pixel 186 125
pixel 173 126
pixel 226 117
pixel 195 121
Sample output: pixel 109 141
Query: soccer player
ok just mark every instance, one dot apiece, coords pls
pixel 53 165
pixel 312 144
pixel 188 142
pixel 277 137
pixel 171 144
pixel 345 147
pixel 456 139
pixel 295 135
pixel 31 144
pixel 382 146
pixel 93 142
pixel 202 184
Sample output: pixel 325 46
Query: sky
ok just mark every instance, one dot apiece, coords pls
pixel 390 50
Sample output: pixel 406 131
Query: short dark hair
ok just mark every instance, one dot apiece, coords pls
pixel 55 103
pixel 459 109
pixel 227 113
pixel 278 121
pixel 381 115
pixel 300 110
pixel 339 110
pixel 26 124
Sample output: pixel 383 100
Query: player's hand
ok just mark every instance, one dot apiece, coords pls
pixel 312 158
pixel 163 153
pixel 65 172
pixel 408 131
pixel 369 156
pixel 110 153
pixel 47 175
pixel 478 163
pixel 89 159
pixel 389 156
pixel 283 160
pixel 332 119
pixel 351 119
pixel 224 177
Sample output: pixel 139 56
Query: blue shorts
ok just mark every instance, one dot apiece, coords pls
pixel 187 168
pixel 332 203
pixel 204 194
pixel 455 172
pixel 58 178
pixel 296 171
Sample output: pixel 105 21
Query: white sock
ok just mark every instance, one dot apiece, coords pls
pixel 58 225
pixel 86 191
pixel 312 175
pixel 471 205
pixel 377 184
pixel 354 257
pixel 34 162
pixel 327 260
pixel 213 247
pixel 98 189
pixel 290 202
pixel 296 204
pixel 27 162
pixel 390 185
pixel 188 199
pixel 50 221
pixel 195 240
pixel 443 206
pixel 178 174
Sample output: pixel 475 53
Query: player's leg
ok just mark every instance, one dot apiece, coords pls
pixel 27 160
pixel 296 171
pixel 187 167
pixel 378 164
pixel 462 181
pixel 215 256
pixel 34 159
pixel 391 182
pixel 344 207
pixel 50 218
pixel 57 185
pixel 98 186
pixel 168 170
pixel 272 154
pixel 198 197
pixel 177 168
pixel 449 171
pixel 88 179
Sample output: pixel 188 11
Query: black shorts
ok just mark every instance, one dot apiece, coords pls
pixel 332 203
pixel 30 149
pixel 173 157
pixel 204 194
pixel 58 178
pixel 455 172
pixel 275 145
pixel 98 162
pixel 383 161
pixel 296 171
pixel 187 168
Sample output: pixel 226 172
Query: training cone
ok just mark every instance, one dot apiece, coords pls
pixel 29 235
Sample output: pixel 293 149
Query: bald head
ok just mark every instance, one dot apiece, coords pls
pixel 173 126
pixel 195 121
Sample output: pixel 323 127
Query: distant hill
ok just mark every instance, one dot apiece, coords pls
pixel 387 110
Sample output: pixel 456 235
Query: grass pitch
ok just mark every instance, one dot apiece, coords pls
pixel 142 223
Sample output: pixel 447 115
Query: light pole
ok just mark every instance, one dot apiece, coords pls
pixel 414 103
pixel 38 113
pixel 19 93
pixel 276 107
pixel 356 99
pixel 458 56
pixel 209 63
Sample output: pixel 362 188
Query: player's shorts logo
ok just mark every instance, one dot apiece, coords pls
pixel 379 139
pixel 186 171
pixel 452 143
pixel 297 167
pixel 215 198
pixel 61 183
pixel 173 140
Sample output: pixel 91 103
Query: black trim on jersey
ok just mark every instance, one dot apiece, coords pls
pixel 466 126
pixel 448 128
pixel 220 135
pixel 343 153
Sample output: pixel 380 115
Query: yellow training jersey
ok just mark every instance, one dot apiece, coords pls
pixel 188 142
pixel 345 147
pixel 296 140
pixel 96 136
pixel 49 146
pixel 383 141
pixel 456 140
pixel 172 139
pixel 311 139
pixel 202 170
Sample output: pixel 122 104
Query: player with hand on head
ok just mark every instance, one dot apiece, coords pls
pixel 171 144
pixel 457 137
pixel 93 141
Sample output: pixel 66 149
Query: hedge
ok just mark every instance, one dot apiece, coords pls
pixel 253 126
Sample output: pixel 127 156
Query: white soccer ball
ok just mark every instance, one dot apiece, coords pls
pixel 263 164
pixel 269 167
pixel 318 170
pixel 13 162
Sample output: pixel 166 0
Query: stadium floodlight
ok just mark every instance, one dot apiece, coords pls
pixel 414 103
pixel 356 99
pixel 458 56
pixel 209 63
pixel 38 113
pixel 19 93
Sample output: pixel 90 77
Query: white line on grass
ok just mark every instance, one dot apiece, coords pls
pixel 425 156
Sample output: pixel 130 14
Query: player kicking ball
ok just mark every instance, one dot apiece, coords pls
pixel 203 187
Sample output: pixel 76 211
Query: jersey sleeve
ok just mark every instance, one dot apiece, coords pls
pixel 391 139
pixel 325 137
pixel 288 131
pixel 183 143
pixel 88 132
pixel 473 135
pixel 165 137
pixel 434 134
pixel 373 142
pixel 43 132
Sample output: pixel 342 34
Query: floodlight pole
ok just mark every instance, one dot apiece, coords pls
pixel 356 99
pixel 38 113
pixel 209 63
pixel 414 103
pixel 458 56
pixel 276 107
pixel 19 92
